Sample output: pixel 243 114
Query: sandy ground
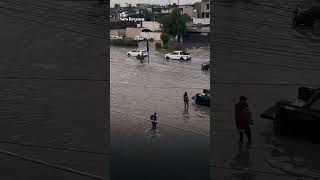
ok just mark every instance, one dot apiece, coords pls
pixel 255 43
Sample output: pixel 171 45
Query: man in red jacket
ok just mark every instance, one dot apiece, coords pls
pixel 242 123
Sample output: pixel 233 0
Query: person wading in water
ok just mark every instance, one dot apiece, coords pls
pixel 153 118
pixel 186 100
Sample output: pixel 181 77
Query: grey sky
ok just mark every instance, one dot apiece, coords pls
pixel 161 2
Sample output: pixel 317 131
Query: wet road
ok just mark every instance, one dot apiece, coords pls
pixel 179 148
pixel 258 54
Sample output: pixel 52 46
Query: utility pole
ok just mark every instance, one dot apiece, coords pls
pixel 148 48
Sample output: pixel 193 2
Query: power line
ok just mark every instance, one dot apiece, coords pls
pixel 53 148
pixel 263 48
pixel 48 15
pixel 227 36
pixel 274 65
pixel 50 165
pixel 54 79
pixel 57 27
pixel 254 35
pixel 194 132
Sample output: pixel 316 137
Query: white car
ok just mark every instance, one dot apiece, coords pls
pixel 115 38
pixel 139 38
pixel 178 55
pixel 135 53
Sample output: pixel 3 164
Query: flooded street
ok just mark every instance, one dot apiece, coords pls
pixel 259 54
pixel 140 89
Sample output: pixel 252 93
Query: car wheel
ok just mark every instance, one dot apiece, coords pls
pixel 181 59
pixel 129 55
pixel 316 26
pixel 167 58
pixel 294 22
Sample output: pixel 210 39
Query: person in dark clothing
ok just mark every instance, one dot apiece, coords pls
pixel 242 121
pixel 186 100
pixel 153 118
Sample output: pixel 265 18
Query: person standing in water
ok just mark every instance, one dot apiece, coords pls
pixel 243 121
pixel 186 100
pixel 153 119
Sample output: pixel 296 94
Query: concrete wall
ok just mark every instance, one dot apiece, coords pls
pixel 187 10
pixel 152 25
pixel 118 32
pixel 154 35
pixel 133 32
pixel 201 20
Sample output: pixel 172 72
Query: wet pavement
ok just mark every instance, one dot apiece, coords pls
pixel 179 148
pixel 260 55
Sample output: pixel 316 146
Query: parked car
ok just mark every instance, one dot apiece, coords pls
pixel 135 53
pixel 115 38
pixel 203 98
pixel 299 117
pixel 205 66
pixel 309 16
pixel 139 38
pixel 178 55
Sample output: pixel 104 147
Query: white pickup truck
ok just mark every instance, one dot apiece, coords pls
pixel 135 53
pixel 115 37
pixel 178 55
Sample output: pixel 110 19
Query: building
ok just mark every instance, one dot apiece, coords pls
pixel 202 8
pixel 187 9
pixel 118 28
pixel 153 26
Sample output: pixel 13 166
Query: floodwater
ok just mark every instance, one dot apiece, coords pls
pixel 179 148
pixel 259 54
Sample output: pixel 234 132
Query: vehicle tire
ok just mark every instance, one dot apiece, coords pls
pixel 129 55
pixel 167 58
pixel 294 22
pixel 316 26
pixel 181 59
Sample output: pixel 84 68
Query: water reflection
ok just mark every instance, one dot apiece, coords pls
pixel 242 159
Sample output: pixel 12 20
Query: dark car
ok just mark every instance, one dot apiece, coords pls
pixel 203 98
pixel 300 117
pixel 205 66
pixel 307 16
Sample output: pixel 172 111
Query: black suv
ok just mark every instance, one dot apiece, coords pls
pixel 205 66
pixel 298 117
pixel 306 16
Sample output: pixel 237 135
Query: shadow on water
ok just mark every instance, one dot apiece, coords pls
pixel 152 135
pixel 242 159
pixel 308 33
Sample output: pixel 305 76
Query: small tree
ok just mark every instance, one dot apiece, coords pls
pixel 174 24
pixel 165 38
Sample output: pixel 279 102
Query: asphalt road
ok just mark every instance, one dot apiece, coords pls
pixel 260 55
